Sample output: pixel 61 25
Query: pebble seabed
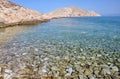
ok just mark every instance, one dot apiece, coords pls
pixel 60 62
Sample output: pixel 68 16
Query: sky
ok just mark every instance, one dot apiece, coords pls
pixel 103 7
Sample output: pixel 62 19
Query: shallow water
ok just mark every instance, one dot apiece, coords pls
pixel 61 38
pixel 97 32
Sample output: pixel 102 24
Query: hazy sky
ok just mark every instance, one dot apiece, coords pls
pixel 104 7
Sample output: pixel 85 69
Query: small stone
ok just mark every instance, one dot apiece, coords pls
pixel 56 73
pixel 115 77
pixel 28 71
pixel 57 57
pixel 99 55
pixel 0 69
pixel 95 64
pixel 54 68
pixel 115 68
pixel 109 64
pixel 82 64
pixel 81 77
pixel 36 50
pixel 8 74
pixel 4 67
pixel 1 76
pixel 15 78
pixel 87 72
pixel 93 58
pixel 119 60
pixel 81 50
pixel 43 70
pixel 89 63
pixel 69 70
pixel 45 59
pixel 91 77
pixel 67 58
pixel 96 72
pixel 67 74
pixel 83 57
pixel 106 71
pixel 116 73
pixel 8 71
pixel 24 54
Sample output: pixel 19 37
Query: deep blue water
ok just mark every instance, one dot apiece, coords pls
pixel 85 32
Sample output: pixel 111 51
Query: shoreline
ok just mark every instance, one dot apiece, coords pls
pixel 35 22
pixel 31 22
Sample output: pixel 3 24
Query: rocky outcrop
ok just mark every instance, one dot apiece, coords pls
pixel 70 12
pixel 13 14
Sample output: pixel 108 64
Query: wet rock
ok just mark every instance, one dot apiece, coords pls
pixel 99 55
pixel 69 70
pixel 118 60
pixel 67 74
pixel 105 72
pixel 8 71
pixel 81 76
pixel 96 72
pixel 115 77
pixel 45 59
pixel 8 74
pixel 42 71
pixel 67 58
pixel 1 76
pixel 54 68
pixel 81 50
pixel 87 72
pixel 24 54
pixel 115 68
pixel 91 77
pixel 36 49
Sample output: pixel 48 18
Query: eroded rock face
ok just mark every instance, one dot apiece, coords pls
pixel 71 12
pixel 11 13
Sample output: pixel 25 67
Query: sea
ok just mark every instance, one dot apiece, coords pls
pixel 62 43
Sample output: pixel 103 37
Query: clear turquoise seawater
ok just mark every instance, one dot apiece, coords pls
pixel 67 43
pixel 87 32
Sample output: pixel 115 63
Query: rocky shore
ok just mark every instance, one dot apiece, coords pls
pixel 31 22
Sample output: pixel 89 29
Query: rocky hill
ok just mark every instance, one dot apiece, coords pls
pixel 71 12
pixel 13 14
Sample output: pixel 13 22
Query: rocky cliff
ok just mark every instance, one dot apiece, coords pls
pixel 13 14
pixel 70 12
